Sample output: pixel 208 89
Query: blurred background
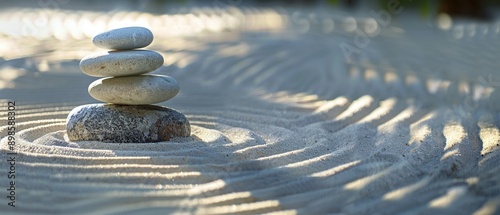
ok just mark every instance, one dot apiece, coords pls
pixel 44 19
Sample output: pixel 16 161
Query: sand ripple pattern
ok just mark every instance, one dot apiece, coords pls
pixel 281 124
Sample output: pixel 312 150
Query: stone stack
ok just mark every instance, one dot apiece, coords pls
pixel 128 115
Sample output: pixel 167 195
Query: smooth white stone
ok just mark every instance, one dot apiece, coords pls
pixel 134 90
pixel 121 63
pixel 124 38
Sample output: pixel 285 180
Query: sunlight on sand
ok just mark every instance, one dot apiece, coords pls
pixel 446 200
pixel 454 134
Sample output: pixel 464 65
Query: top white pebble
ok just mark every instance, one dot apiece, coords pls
pixel 124 38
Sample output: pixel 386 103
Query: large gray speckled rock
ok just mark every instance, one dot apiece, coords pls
pixel 121 63
pixel 134 90
pixel 125 124
pixel 124 38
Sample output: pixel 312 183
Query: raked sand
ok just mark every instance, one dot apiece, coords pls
pixel 281 123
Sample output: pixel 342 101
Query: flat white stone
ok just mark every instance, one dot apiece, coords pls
pixel 124 38
pixel 134 90
pixel 121 63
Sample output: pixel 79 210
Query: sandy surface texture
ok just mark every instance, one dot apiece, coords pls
pixel 282 123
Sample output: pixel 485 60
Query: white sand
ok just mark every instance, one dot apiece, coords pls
pixel 281 124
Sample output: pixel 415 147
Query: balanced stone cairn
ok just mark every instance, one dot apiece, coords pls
pixel 128 116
